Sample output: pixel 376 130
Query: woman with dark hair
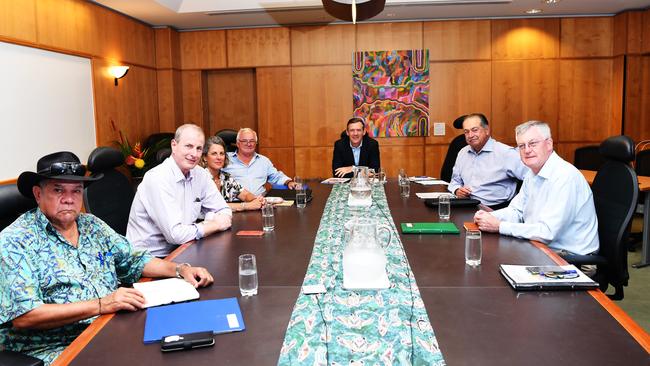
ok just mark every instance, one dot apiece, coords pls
pixel 214 160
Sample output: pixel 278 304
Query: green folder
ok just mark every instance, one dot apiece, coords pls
pixel 429 228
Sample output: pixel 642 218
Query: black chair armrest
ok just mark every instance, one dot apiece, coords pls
pixel 579 260
pixel 11 358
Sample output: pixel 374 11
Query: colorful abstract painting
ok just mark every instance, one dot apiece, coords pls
pixel 391 92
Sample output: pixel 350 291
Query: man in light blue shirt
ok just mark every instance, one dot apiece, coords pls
pixel 253 170
pixel 555 205
pixel 486 169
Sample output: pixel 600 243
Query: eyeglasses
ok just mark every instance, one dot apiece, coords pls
pixel 64 168
pixel 248 142
pixel 531 144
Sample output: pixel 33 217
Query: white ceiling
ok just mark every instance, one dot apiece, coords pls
pixel 216 14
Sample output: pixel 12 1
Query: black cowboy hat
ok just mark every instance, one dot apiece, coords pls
pixel 62 165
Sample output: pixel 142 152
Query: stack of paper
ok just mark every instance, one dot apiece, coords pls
pixel 533 277
pixel 335 180
pixel 427 195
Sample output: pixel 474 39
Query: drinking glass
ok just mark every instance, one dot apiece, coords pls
pixel 247 275
pixel 299 183
pixel 473 248
pixel 381 175
pixel 267 217
pixel 444 207
pixel 301 199
pixel 404 188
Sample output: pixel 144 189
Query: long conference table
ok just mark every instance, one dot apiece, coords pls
pixel 477 318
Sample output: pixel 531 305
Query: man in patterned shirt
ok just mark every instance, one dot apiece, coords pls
pixel 59 268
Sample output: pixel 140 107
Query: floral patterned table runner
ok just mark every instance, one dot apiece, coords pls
pixel 342 327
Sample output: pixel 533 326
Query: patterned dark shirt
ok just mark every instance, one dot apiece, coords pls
pixel 230 188
pixel 38 266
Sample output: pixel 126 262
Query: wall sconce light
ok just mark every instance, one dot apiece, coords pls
pixel 118 72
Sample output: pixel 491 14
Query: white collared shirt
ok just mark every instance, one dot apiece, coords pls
pixel 167 204
pixel 555 207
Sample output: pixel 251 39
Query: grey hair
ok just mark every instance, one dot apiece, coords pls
pixel 181 129
pixel 543 128
pixel 246 129
pixel 216 140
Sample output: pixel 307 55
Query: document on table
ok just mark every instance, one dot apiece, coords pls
pixel 166 291
pixel 546 277
pixel 433 182
pixel 427 195
pixel 335 180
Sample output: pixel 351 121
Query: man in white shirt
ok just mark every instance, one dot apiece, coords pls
pixel 171 197
pixel 555 205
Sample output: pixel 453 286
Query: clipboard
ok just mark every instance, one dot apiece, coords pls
pixel 217 316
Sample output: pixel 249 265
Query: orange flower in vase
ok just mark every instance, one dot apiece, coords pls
pixel 134 157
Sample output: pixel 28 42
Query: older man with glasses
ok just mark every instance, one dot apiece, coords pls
pixel 555 205
pixel 253 170
pixel 60 268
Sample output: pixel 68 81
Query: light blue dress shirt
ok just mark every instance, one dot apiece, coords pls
pixel 165 208
pixel 555 207
pixel 254 175
pixel 356 152
pixel 491 173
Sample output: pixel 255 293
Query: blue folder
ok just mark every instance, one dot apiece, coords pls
pixel 218 316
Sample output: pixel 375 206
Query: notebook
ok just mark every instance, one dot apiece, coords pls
pixel 429 228
pixel 166 291
pixel 567 277
pixel 218 316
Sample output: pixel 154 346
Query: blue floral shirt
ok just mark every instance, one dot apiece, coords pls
pixel 38 266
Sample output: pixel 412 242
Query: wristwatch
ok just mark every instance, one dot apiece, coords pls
pixel 178 269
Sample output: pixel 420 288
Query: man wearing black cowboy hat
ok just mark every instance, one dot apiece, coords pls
pixel 486 170
pixel 59 268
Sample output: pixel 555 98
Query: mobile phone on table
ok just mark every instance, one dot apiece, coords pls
pixel 187 341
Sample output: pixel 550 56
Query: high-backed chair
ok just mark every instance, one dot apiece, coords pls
pixel 615 190
pixel 163 154
pixel 157 138
pixel 229 137
pixel 12 204
pixel 109 198
pixel 588 158
pixel 450 159
pixel 642 166
pixel 11 358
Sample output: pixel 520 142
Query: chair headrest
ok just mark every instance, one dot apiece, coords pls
pixel 619 148
pixel 227 135
pixel 104 158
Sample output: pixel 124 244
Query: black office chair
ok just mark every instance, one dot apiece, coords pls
pixel 588 158
pixel 13 204
pixel 160 139
pixel 450 159
pixel 163 154
pixel 229 137
pixel 11 358
pixel 615 190
pixel 109 198
pixel 641 167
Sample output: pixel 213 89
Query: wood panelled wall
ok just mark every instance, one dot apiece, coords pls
pixel 569 72
pixel 588 77
pixel 107 38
